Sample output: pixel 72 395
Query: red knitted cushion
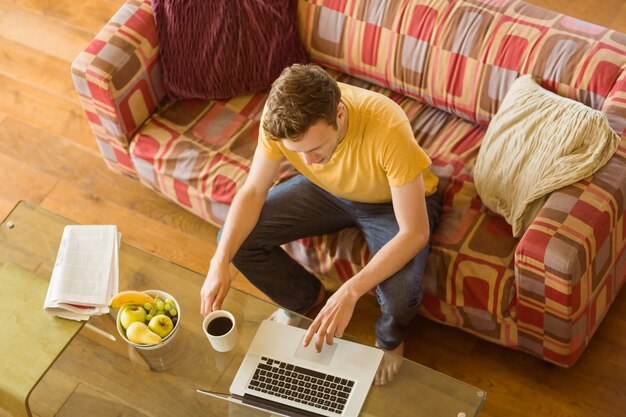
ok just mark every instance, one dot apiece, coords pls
pixel 217 49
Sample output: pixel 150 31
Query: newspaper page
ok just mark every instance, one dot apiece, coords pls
pixel 86 272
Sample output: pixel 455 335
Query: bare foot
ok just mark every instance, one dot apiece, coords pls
pixel 389 366
pixel 286 317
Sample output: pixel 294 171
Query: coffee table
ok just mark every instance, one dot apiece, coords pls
pixel 164 382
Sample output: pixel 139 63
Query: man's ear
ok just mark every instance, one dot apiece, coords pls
pixel 342 111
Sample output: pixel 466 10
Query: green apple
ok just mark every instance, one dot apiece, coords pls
pixel 161 325
pixel 131 314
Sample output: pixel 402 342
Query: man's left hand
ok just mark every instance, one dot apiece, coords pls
pixel 333 318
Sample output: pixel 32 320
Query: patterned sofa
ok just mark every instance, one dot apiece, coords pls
pixel 448 64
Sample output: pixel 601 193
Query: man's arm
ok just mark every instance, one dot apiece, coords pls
pixel 242 217
pixel 410 209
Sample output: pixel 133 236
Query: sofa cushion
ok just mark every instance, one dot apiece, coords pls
pixel 536 143
pixel 198 152
pixel 222 48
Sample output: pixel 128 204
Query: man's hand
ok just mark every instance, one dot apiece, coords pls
pixel 333 318
pixel 215 288
pixel 242 217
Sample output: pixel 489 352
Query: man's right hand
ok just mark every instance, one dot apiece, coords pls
pixel 215 288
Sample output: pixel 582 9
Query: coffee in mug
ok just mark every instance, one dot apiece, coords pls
pixel 220 328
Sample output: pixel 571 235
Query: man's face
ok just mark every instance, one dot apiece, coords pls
pixel 317 145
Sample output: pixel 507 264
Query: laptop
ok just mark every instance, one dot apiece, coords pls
pixel 279 375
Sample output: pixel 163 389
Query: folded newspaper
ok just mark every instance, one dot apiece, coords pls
pixel 86 272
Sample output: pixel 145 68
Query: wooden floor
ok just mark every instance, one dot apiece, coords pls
pixel 48 156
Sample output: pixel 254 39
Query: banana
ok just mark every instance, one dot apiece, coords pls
pixel 130 297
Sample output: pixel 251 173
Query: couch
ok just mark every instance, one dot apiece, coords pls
pixel 449 65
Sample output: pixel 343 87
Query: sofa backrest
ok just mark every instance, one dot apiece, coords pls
pixel 462 56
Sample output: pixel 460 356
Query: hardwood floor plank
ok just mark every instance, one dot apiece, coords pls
pixel 48 155
pixel 431 332
pixel 520 385
pixel 585 10
pixel 43 34
pixel 137 229
pixel 21 181
pixel 89 15
pixel 40 71
pixel 619 21
pixel 46 111
pixel 619 305
pixel 99 367
pixel 613 330
pixel 87 400
pixel 63 385
pixel 88 172
pixel 611 352
pixel 6 205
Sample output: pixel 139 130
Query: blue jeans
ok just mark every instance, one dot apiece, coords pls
pixel 298 208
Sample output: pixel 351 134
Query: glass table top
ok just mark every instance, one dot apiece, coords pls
pixel 163 382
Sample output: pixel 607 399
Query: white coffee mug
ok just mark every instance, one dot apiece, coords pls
pixel 220 328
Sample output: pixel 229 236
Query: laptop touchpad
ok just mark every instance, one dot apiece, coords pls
pixel 310 354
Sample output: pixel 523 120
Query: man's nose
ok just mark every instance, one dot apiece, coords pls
pixel 310 159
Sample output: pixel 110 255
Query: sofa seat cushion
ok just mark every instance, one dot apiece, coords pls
pixel 198 154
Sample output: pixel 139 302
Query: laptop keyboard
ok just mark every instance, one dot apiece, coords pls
pixel 306 386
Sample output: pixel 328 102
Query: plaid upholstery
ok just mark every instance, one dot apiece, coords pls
pixel 198 152
pixel 118 78
pixel 571 264
pixel 448 64
pixel 462 56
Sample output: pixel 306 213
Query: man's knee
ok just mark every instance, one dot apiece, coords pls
pixel 405 306
pixel 399 298
pixel 250 249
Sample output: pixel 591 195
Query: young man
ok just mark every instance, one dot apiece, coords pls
pixel 360 166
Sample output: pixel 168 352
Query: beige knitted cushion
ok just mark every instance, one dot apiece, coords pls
pixel 536 143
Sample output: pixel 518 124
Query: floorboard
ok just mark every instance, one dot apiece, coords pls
pixel 31 104
pixel 83 15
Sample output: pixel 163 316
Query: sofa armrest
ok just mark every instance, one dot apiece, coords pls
pixel 119 80
pixel 570 264
pixel 615 106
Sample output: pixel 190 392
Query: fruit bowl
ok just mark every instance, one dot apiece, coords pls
pixel 162 296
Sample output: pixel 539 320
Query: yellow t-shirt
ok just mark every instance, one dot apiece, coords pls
pixel 379 151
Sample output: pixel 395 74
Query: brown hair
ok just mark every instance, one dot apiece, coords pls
pixel 299 98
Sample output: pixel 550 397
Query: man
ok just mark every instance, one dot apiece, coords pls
pixel 360 166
